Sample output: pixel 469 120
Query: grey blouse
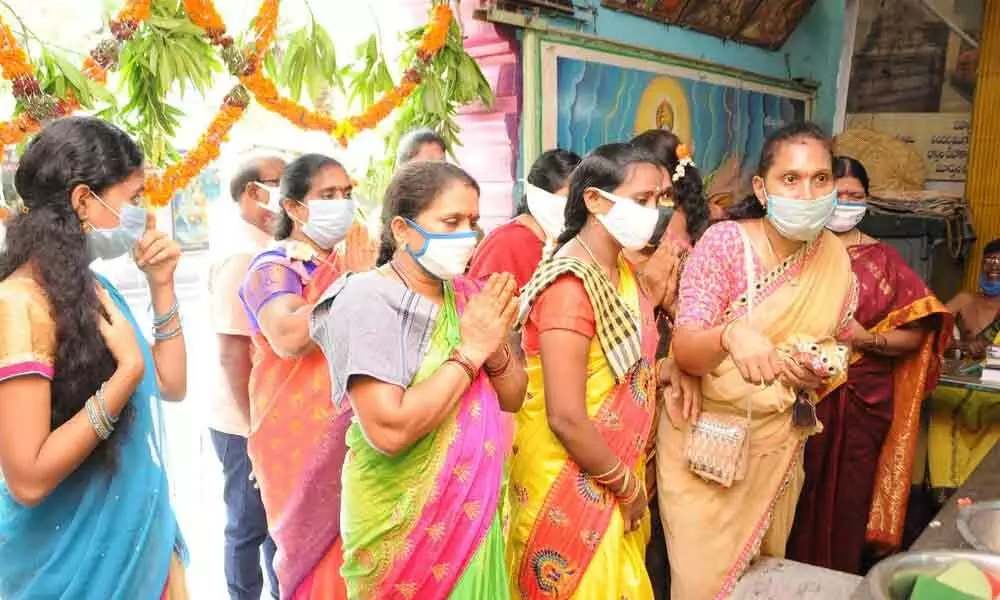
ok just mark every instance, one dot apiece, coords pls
pixel 367 324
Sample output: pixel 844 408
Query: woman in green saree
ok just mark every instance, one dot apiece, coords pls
pixel 420 352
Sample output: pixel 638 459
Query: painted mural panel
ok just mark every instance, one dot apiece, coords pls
pixel 190 208
pixel 764 23
pixel 601 98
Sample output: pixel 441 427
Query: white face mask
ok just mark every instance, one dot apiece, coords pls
pixel 548 209
pixel 444 255
pixel 273 204
pixel 629 222
pixel 328 221
pixel 846 216
pixel 109 244
pixel 800 220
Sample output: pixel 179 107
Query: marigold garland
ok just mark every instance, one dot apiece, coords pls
pixel 17 68
pixel 161 188
pixel 203 14
pixel 39 107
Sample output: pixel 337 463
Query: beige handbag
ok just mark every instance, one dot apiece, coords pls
pixel 718 444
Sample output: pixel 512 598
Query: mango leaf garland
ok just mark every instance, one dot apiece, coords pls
pixel 167 53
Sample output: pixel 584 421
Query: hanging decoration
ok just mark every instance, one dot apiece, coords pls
pixel 243 61
pixel 39 106
pixel 161 188
pixel 265 91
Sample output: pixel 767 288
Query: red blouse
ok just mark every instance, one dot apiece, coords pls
pixel 511 248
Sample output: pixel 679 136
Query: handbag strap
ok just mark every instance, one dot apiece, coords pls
pixel 751 277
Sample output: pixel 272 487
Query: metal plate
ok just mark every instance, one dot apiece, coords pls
pixel 979 525
pixel 892 579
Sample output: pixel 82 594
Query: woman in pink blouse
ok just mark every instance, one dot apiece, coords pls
pixel 760 303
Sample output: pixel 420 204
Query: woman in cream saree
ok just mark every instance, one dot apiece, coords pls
pixel 799 303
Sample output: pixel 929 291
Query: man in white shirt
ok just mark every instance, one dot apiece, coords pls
pixel 229 414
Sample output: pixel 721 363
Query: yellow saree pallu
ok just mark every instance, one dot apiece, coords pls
pixel 713 533
pixel 567 537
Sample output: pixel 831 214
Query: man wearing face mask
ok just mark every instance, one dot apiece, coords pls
pixel 249 231
pixel 964 427
pixel 978 314
pixel 290 396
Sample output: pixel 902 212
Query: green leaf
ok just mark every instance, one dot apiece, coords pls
pixel 102 93
pixel 76 77
pixel 295 80
pixel 271 65
pixel 433 101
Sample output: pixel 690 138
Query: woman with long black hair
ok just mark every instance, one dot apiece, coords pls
pixel 579 524
pixel 84 505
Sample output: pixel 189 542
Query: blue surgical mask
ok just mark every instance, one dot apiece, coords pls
pixel 800 220
pixel 990 288
pixel 444 255
pixel 109 244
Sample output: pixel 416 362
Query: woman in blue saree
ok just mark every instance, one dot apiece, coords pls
pixel 84 504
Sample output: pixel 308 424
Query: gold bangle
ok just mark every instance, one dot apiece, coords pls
pixel 628 499
pixel 609 473
pixel 659 370
pixel 612 482
pixel 625 483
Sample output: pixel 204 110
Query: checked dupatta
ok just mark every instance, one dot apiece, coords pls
pixel 617 324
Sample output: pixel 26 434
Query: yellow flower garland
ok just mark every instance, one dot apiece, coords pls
pixel 265 92
pixel 17 68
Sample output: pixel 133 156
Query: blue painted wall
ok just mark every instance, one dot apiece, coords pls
pixel 812 52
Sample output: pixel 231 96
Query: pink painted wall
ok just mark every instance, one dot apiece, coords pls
pixel 490 144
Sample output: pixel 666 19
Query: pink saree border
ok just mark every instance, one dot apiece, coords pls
pixel 447 535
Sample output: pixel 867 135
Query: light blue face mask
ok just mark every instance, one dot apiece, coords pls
pixel 444 255
pixel 990 288
pixel 108 244
pixel 800 220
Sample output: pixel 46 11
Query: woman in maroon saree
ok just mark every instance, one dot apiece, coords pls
pixel 858 471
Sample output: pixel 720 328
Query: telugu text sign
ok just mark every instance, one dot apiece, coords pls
pixel 942 139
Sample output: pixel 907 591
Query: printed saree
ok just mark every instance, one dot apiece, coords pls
pixel 297 434
pixel 964 427
pixel 567 536
pixel 713 533
pixel 424 524
pixel 99 535
pixel 858 470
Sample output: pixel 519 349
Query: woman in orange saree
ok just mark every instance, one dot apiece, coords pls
pixel 754 296
pixel 297 434
pixel 858 470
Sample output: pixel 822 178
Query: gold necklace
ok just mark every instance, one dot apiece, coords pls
pixel 793 281
pixel 592 256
